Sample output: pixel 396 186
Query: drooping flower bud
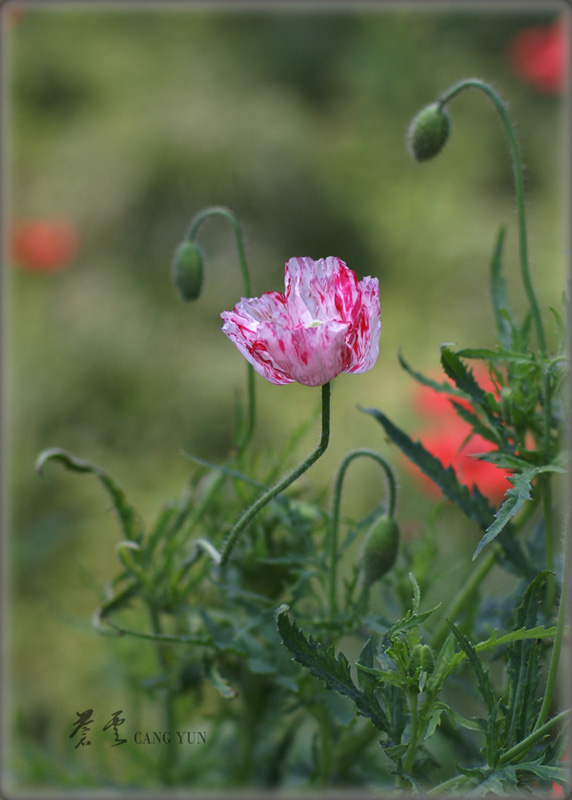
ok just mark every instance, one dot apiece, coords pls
pixel 380 549
pixel 428 132
pixel 187 270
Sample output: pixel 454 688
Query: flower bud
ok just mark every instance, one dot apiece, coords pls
pixel 422 656
pixel 380 549
pixel 428 132
pixel 187 270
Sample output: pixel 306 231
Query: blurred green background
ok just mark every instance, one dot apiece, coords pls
pixel 127 122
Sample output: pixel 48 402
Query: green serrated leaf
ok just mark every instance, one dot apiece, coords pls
pixel 483 681
pixel 334 672
pixel 459 719
pixel 499 354
pixel 462 376
pixel 516 497
pixel 498 290
pixel 130 521
pixel 416 592
pixel 474 505
pixel 396 752
pixel 410 621
pixel 378 676
pixel 442 666
pixel 477 425
pixel 523 668
pixel 364 664
pixel 442 388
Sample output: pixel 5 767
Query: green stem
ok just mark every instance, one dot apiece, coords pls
pixel 549 544
pixel 333 543
pixel 464 595
pixel 511 755
pixel 537 734
pixel 468 588
pixel 519 190
pixel 413 733
pixel 169 756
pixel 559 635
pixel 325 751
pixel 547 496
pixel 196 223
pixel 253 510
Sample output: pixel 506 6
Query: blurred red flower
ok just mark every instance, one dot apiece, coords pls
pixel 47 245
pixel 448 437
pixel 557 790
pixel 539 56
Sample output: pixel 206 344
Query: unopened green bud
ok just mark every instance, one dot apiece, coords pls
pixel 380 549
pixel 187 270
pixel 421 657
pixel 428 132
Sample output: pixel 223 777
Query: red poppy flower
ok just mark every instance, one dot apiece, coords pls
pixel 47 245
pixel 451 445
pixel 539 56
pixel 450 439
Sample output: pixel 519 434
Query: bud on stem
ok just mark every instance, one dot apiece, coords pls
pixel 428 132
pixel 187 270
pixel 380 549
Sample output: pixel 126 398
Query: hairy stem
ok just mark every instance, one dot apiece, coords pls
pixel 196 223
pixel 468 588
pixel 259 504
pixel 519 190
pixel 413 733
pixel 333 539
pixel 169 756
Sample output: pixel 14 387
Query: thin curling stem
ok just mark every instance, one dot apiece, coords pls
pixel 519 190
pixel 259 504
pixel 392 494
pixel 221 211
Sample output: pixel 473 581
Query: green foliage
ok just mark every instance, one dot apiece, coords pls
pixel 474 505
pixel 334 672
pixel 390 680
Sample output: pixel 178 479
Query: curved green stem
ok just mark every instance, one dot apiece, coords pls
pixel 519 190
pixel 197 221
pixel 333 543
pixel 253 510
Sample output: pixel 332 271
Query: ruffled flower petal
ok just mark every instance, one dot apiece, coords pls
pixel 326 323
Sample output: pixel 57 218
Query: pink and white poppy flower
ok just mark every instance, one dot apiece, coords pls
pixel 325 323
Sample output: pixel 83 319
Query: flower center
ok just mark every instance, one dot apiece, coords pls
pixel 314 324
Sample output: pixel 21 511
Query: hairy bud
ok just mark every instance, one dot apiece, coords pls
pixel 421 657
pixel 380 549
pixel 428 132
pixel 187 270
